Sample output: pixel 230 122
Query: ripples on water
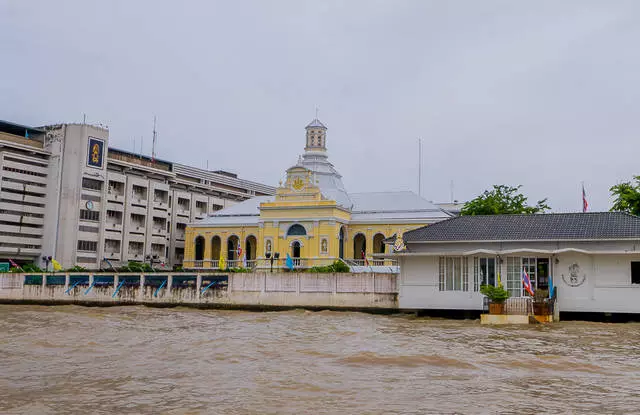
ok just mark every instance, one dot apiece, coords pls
pixel 181 361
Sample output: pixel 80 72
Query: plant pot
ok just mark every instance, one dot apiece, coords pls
pixel 496 308
pixel 541 309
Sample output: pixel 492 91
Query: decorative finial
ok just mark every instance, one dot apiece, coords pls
pixel 317 110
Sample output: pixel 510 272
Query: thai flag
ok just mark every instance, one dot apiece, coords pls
pixel 526 282
pixel 239 251
pixel 585 204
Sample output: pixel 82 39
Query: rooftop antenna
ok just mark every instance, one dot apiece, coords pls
pixel 451 189
pixel 141 145
pixel 420 167
pixel 155 136
pixel 84 118
pixel 134 145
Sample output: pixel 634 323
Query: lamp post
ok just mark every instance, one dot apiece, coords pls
pixel 46 260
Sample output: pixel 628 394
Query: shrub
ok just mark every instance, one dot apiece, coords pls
pixel 495 294
pixel 337 266
pixel 239 269
pixel 32 268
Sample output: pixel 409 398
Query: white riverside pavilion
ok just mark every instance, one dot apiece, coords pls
pixel 593 259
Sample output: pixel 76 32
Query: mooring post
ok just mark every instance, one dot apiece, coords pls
pixel 141 291
pixel 169 282
pixel 198 282
pixel 66 281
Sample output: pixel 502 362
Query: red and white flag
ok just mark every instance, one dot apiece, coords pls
pixel 585 204
pixel 364 256
pixel 526 282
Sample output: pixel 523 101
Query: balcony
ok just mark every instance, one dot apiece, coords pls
pixel 138 200
pixel 115 197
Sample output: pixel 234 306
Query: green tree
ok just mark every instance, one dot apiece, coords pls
pixel 627 197
pixel 502 199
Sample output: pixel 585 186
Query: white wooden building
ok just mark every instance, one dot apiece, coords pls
pixel 592 258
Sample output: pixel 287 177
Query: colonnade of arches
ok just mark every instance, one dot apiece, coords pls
pixel 249 249
pixel 233 248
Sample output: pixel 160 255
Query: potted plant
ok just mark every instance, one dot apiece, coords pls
pixel 497 296
pixel 541 304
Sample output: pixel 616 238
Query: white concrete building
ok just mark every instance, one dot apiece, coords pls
pixel 593 259
pixel 64 193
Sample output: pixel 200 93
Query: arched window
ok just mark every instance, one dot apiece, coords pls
pixel 378 244
pixel 296 230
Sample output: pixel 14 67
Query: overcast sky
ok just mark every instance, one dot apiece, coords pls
pixel 540 93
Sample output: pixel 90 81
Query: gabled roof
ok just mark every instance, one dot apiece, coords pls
pixel 316 123
pixel 548 227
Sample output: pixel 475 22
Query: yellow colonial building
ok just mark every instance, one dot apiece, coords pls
pixel 311 218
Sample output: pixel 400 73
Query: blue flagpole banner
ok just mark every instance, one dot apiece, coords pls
pixel 289 262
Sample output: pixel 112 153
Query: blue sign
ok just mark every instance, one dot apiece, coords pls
pixel 95 153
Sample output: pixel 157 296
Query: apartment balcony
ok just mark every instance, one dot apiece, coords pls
pixel 113 256
pixel 159 232
pixel 138 200
pixel 137 227
pixel 115 197
pixel 161 204
pixel 117 207
pixel 181 211
pixel 135 256
pixel 113 226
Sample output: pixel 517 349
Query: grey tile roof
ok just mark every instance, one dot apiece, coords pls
pixel 553 226
pixel 316 123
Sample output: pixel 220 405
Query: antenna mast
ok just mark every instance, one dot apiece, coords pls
pixel 155 136
pixel 420 167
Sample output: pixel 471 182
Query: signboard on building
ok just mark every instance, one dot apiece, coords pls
pixel 95 154
pixel 5 267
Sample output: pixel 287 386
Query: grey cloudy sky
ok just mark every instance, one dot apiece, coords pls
pixel 539 93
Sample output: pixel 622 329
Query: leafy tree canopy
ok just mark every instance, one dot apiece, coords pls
pixel 627 197
pixel 502 199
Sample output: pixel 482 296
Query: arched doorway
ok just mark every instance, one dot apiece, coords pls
pixel 250 246
pixel 216 246
pixel 199 254
pixel 232 248
pixel 359 246
pixel 295 249
pixel 341 243
pixel 378 244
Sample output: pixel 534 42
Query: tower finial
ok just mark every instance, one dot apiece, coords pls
pixel 317 110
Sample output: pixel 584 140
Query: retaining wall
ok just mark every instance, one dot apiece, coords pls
pixel 216 290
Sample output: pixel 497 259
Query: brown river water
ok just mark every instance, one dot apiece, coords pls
pixel 69 359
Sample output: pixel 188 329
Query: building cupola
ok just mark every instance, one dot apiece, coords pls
pixel 316 136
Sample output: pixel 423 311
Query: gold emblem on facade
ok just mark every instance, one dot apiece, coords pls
pixel 95 154
pixel 398 245
pixel 298 183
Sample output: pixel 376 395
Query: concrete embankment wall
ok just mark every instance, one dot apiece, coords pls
pixel 220 290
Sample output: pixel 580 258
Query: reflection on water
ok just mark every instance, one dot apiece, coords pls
pixel 181 361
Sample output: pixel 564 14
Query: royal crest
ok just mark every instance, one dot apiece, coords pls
pixel 574 279
pixel 398 245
